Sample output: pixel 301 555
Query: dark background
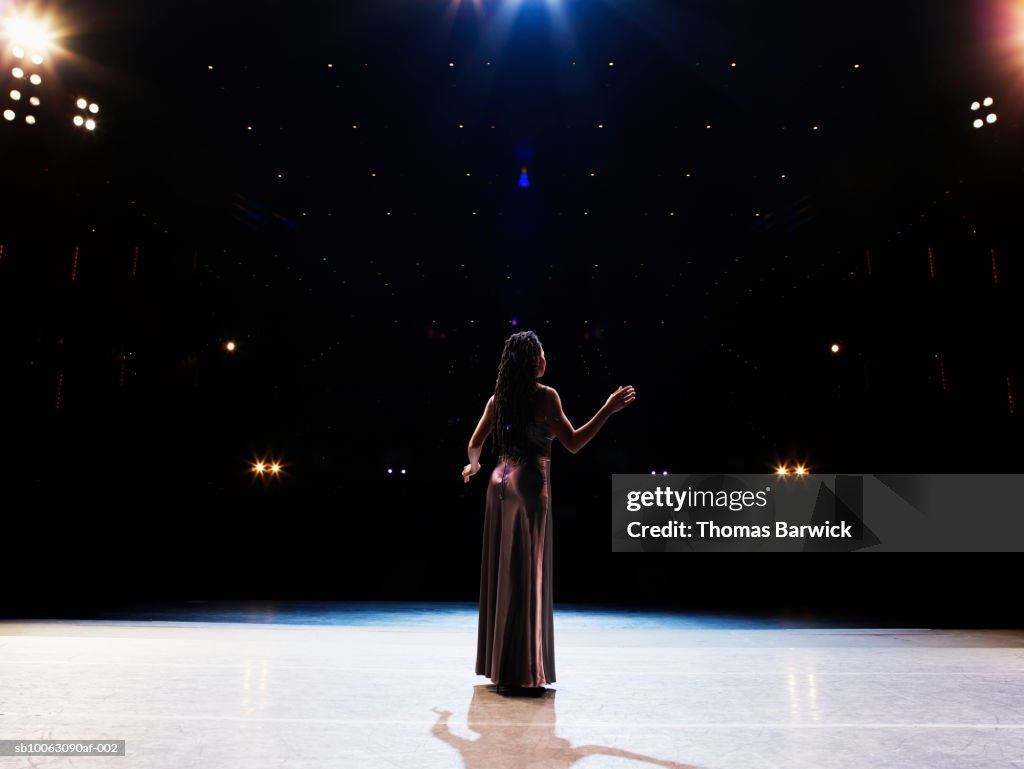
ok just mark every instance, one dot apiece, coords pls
pixel 711 268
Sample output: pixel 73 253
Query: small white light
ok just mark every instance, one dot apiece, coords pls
pixel 35 79
pixel 15 95
pixel 30 119
pixel 9 114
pixel 975 106
pixel 979 123
pixel 18 52
pixel 90 124
pixel 991 118
pixel 78 120
pixel 34 101
pixel 18 72
pixel 989 101
pixel 389 471
pixel 94 108
pixel 81 104
pixel 37 58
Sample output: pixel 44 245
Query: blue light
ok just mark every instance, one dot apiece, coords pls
pixel 524 179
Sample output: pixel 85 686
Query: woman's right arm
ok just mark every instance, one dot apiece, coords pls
pixel 574 439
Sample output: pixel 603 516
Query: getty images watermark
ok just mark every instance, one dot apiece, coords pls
pixel 769 512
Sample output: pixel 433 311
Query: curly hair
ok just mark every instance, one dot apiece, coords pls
pixel 515 397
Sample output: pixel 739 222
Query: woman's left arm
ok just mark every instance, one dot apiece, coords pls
pixel 476 443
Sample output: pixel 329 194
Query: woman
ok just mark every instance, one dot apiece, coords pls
pixel 515 641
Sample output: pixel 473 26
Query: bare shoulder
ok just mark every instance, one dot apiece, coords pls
pixel 550 399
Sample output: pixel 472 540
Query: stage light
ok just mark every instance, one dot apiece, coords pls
pixel 26 33
pixel 9 114
pixel 781 470
pixel 800 470
pixel 834 348
pixel 18 51
pixel 35 79
pixel 259 468
pixel 15 95
pixel 34 101
pixel 990 118
pixel 84 120
pixel 30 119
pixel 18 72
pixel 230 347
pixel 275 468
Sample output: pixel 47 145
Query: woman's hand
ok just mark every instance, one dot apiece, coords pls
pixel 469 471
pixel 619 399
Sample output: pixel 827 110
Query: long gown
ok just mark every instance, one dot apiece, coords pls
pixel 515 637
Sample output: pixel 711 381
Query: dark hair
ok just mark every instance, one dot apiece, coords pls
pixel 515 397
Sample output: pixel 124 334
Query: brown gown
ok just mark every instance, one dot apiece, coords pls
pixel 515 636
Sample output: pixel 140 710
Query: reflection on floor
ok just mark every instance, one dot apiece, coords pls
pixel 375 686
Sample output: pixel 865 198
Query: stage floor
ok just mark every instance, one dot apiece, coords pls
pixel 391 686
